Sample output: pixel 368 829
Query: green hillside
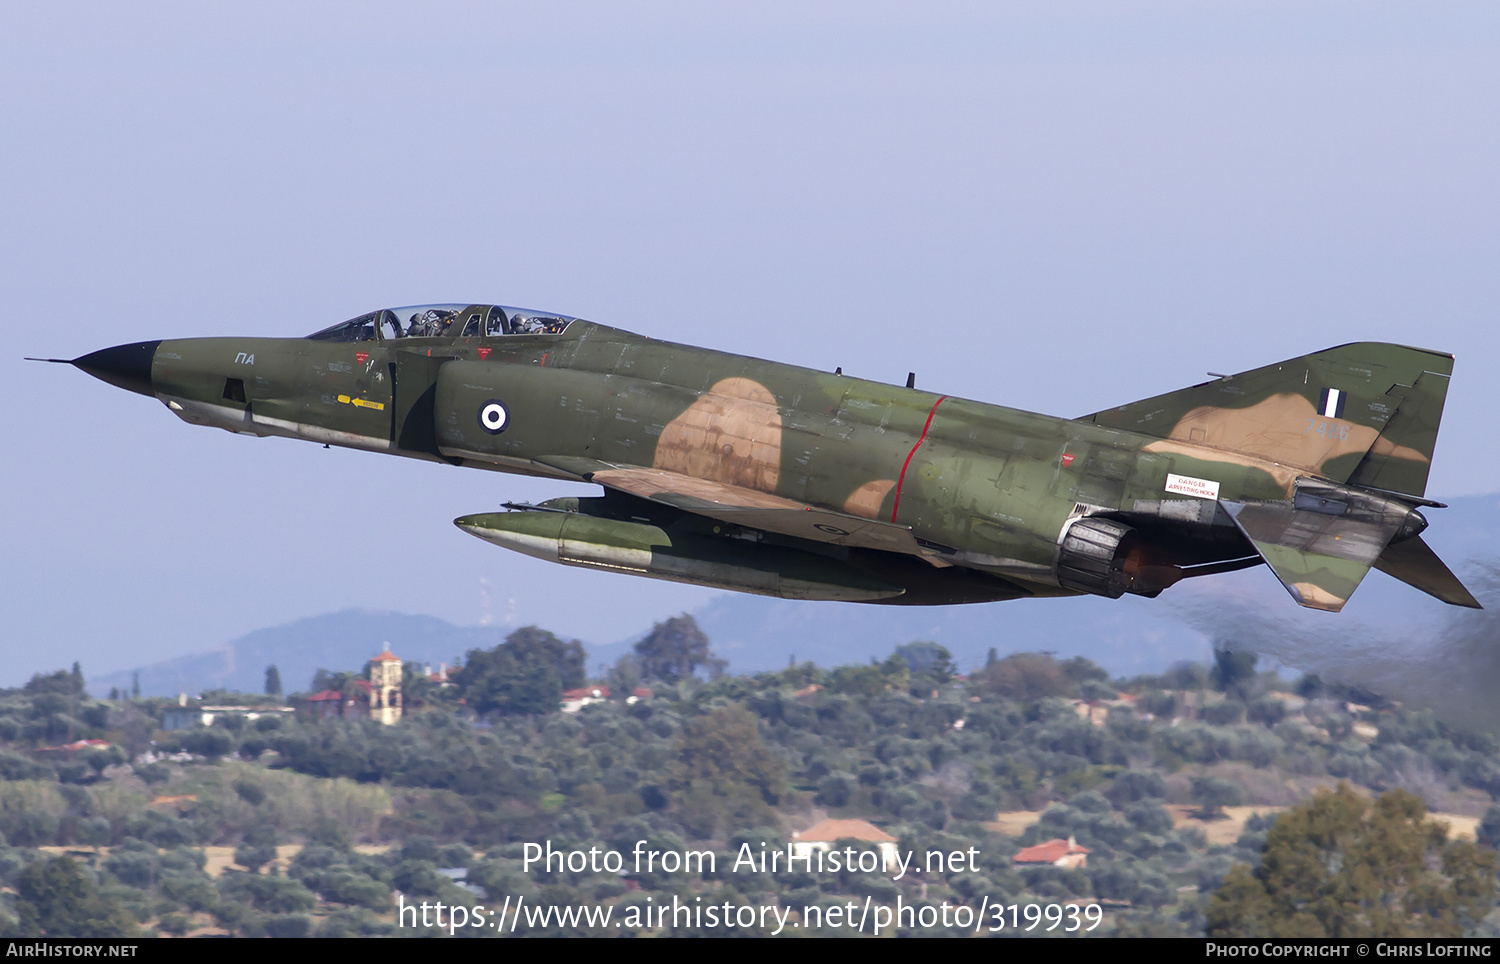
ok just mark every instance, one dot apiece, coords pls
pixel 681 798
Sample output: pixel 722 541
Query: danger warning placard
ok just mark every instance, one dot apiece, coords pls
pixel 1187 485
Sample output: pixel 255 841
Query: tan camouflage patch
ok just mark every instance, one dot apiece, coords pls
pixel 1285 476
pixel 1316 597
pixel 731 434
pixel 1282 428
pixel 654 483
pixel 867 498
pixel 1274 436
pixel 1384 446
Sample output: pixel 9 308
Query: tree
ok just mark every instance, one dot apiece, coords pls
pixel 1081 669
pixel 675 650
pixel 1026 677
pixel 1213 795
pixel 56 898
pixel 1489 828
pixel 929 664
pixel 896 673
pixel 61 682
pixel 722 751
pixel 927 658
pixel 532 645
pixel 258 848
pixel 857 680
pixel 419 689
pixel 344 683
pixel 1133 786
pixel 273 680
pixel 523 676
pixel 1343 866
pixel 136 729
pixel 625 677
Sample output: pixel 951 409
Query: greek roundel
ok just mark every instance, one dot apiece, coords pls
pixel 493 417
pixel 1331 403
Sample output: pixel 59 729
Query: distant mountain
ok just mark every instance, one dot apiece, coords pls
pixel 337 641
pixel 752 632
pixel 1127 637
pixel 1390 636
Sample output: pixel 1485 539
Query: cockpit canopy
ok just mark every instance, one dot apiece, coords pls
pixel 445 321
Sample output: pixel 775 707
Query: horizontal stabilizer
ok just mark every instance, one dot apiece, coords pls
pixel 1285 539
pixel 1321 542
pixel 1414 563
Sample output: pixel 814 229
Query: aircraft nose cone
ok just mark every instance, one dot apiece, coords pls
pixel 124 366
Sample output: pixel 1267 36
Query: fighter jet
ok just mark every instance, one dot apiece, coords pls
pixel 738 473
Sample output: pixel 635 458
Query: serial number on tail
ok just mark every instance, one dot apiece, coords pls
pixel 1333 430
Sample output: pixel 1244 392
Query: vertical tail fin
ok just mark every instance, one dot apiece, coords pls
pixel 1365 413
pixel 1389 464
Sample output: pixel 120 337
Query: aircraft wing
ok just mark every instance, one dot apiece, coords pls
pixel 741 506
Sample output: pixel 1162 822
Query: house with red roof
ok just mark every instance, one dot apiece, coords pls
pixel 575 700
pixel 824 834
pixel 1055 853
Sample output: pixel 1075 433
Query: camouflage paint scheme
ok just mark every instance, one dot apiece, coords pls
pixel 747 474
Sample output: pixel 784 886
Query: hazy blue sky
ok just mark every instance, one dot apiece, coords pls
pixel 1056 206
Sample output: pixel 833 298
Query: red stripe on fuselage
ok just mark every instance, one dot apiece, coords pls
pixel 901 479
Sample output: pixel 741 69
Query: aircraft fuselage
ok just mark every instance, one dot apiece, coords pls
pixel 902 494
